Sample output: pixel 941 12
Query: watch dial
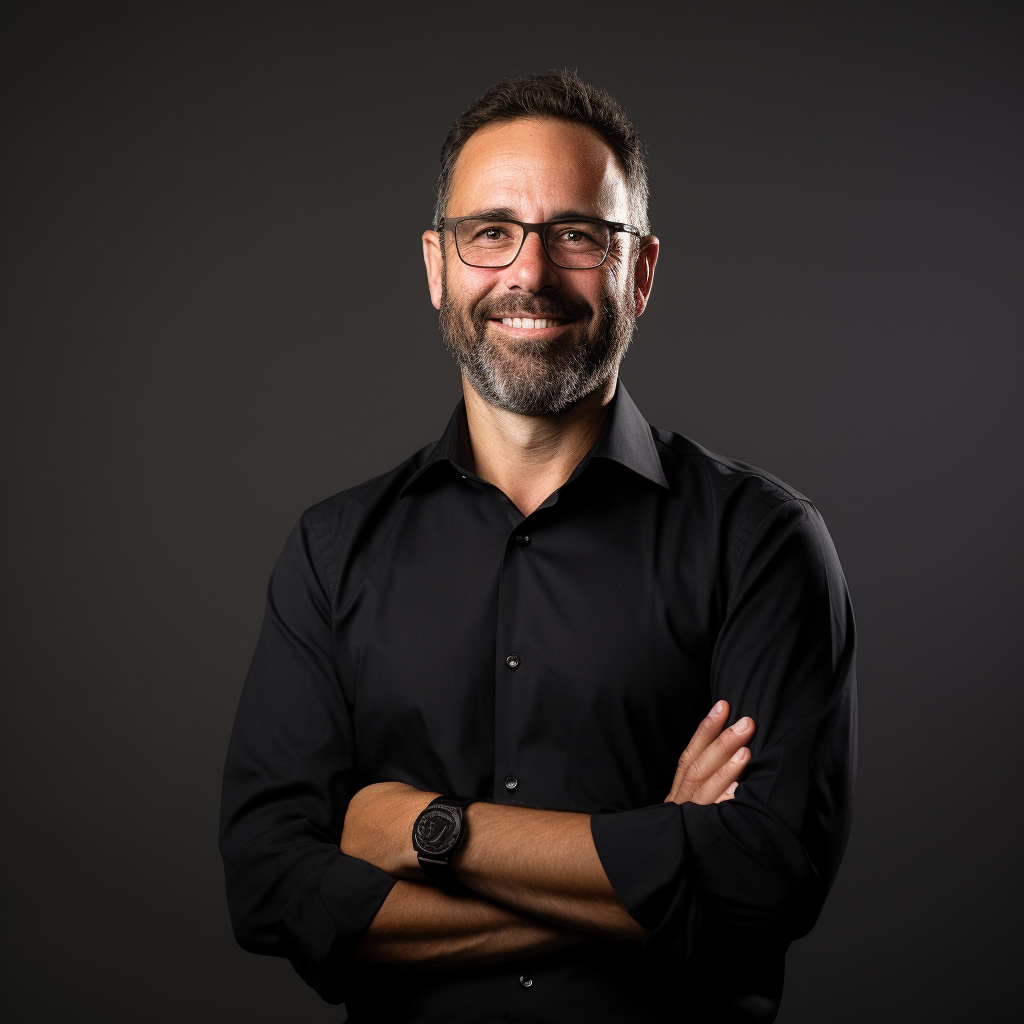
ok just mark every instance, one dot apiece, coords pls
pixel 437 830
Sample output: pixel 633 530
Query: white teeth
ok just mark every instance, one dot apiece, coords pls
pixel 528 323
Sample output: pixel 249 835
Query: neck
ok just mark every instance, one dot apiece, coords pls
pixel 529 457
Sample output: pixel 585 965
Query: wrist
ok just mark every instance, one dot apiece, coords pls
pixel 378 824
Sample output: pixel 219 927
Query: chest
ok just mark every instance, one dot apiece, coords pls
pixel 568 652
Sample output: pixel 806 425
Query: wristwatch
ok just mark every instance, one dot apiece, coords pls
pixel 437 834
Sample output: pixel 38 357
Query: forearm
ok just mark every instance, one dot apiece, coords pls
pixel 422 926
pixel 541 864
pixel 544 864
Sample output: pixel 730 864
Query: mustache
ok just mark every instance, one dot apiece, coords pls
pixel 558 306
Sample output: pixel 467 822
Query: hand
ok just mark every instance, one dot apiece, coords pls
pixel 378 827
pixel 709 768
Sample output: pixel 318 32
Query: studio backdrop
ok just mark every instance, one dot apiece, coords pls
pixel 215 314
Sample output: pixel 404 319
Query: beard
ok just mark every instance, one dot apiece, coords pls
pixel 535 378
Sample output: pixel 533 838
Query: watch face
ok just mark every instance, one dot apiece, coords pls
pixel 437 830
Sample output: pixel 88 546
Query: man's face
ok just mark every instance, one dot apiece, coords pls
pixel 536 170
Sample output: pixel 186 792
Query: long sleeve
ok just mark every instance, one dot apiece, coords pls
pixel 784 655
pixel 289 775
pixel 658 578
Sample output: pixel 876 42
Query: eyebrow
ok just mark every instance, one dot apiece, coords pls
pixel 505 213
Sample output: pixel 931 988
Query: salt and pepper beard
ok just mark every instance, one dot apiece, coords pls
pixel 546 376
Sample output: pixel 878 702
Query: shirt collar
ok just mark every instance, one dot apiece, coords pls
pixel 626 438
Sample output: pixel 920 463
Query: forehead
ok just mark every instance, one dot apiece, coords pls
pixel 538 169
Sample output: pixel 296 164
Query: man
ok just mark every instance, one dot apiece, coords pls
pixel 445 796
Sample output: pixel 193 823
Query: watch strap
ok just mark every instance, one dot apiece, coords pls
pixel 453 801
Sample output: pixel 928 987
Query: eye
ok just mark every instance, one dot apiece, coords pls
pixel 487 233
pixel 576 237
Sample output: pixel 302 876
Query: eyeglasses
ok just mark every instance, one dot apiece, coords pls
pixel 579 243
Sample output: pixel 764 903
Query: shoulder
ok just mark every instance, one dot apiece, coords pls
pixel 735 493
pixel 758 517
pixel 329 533
pixel 369 497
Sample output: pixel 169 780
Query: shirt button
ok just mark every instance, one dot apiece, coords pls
pixel 522 540
pixel 512 661
pixel 525 981
pixel 511 782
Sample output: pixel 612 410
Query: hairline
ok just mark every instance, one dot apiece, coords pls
pixel 637 205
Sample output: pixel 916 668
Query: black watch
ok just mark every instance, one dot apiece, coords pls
pixel 437 834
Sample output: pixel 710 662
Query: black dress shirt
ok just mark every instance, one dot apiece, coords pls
pixel 420 629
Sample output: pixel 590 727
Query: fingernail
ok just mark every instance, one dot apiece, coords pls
pixel 742 726
pixel 740 755
pixel 718 708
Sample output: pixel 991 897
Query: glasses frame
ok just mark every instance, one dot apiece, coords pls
pixel 451 223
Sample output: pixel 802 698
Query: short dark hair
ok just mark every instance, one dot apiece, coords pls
pixel 561 95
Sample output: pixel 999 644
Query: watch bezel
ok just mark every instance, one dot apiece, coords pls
pixel 452 815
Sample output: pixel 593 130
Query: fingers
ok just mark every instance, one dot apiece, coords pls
pixel 728 794
pixel 711 772
pixel 706 732
pixel 723 781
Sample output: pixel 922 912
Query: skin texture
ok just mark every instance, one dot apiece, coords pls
pixel 538 170
pixel 426 927
pixel 534 879
pixel 540 863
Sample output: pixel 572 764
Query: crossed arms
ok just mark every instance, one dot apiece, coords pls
pixel 534 880
pixel 311 860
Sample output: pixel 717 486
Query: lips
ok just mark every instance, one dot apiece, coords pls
pixel 532 313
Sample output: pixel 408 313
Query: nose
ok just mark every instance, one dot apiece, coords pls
pixel 532 271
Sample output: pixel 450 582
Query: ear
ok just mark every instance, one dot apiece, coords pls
pixel 643 274
pixel 434 262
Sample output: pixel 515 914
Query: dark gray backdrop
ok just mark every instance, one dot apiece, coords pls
pixel 215 315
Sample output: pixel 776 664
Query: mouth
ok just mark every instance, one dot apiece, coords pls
pixel 529 323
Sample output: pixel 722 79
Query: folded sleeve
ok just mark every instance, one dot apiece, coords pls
pixel 784 655
pixel 289 776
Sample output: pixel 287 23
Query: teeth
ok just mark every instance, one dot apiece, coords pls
pixel 528 323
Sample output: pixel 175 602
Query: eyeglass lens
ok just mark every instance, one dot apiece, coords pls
pixel 575 245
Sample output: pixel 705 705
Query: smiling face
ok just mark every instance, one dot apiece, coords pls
pixel 531 337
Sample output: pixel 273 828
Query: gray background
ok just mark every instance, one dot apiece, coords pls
pixel 215 314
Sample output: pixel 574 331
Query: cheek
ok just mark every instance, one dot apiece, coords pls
pixel 620 276
pixel 466 287
pixel 603 287
pixel 620 287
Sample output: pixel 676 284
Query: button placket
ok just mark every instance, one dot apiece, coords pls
pixel 511 686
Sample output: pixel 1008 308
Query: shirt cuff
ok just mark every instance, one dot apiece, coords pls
pixel 328 914
pixel 641 852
